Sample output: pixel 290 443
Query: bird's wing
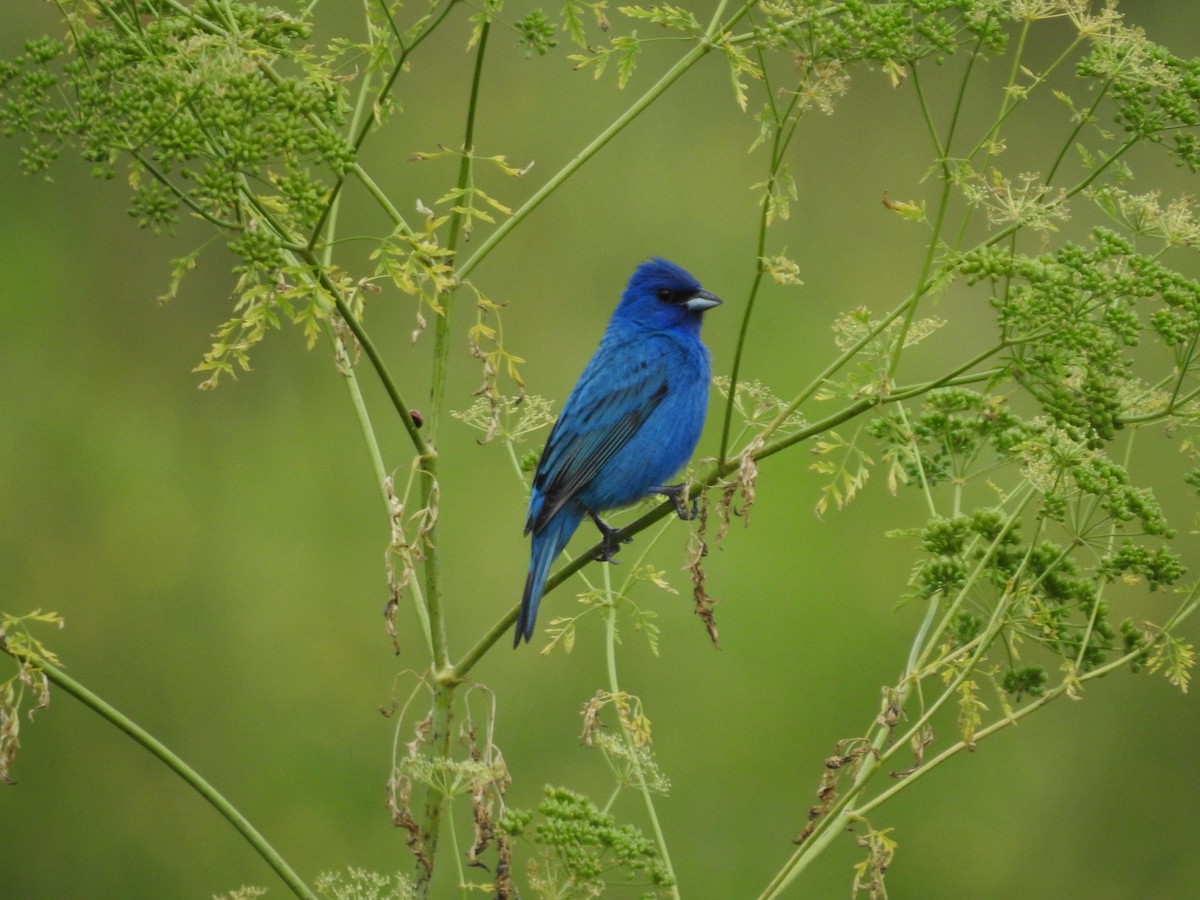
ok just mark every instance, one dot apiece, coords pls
pixel 600 417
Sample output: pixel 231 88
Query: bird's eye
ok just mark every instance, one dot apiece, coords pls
pixel 665 295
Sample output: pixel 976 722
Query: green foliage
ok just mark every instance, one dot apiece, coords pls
pixel 1029 680
pixel 29 683
pixel 1156 93
pixel 585 852
pixel 1073 317
pixel 351 884
pixel 892 35
pixel 537 32
pixel 869 873
pixel 959 434
pixel 191 98
pixel 245 892
pixel 360 884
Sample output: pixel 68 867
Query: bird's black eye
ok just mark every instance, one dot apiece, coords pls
pixel 666 295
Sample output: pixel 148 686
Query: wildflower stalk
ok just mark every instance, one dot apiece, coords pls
pixel 639 106
pixel 845 810
pixel 614 688
pixel 172 761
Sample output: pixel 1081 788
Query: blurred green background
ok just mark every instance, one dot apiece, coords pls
pixel 218 555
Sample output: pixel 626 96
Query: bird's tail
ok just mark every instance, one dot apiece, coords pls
pixel 547 544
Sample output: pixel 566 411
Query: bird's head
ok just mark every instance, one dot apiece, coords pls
pixel 662 295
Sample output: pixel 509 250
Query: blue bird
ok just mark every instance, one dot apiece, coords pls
pixel 630 424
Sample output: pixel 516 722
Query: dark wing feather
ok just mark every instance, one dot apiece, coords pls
pixel 588 434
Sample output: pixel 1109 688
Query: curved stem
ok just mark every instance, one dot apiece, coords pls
pixel 639 106
pixel 362 127
pixel 1186 610
pixel 841 815
pixel 614 688
pixel 780 142
pixel 441 343
pixel 923 280
pixel 172 761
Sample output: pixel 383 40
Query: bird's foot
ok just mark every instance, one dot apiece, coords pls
pixel 609 545
pixel 675 493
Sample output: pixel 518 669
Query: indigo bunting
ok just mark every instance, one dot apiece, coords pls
pixel 631 422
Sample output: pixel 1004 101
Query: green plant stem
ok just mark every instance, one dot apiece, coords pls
pixel 442 333
pixel 1035 704
pixel 841 815
pixel 376 358
pixel 822 377
pixel 1084 120
pixel 924 283
pixel 441 720
pixel 342 360
pixel 445 684
pixel 780 141
pixel 1184 365
pixel 438 381
pixel 362 414
pixel 442 714
pixel 1012 98
pixel 426 458
pixel 918 464
pixel 614 688
pixel 172 761
pixel 1171 409
pixel 689 59
pixel 361 128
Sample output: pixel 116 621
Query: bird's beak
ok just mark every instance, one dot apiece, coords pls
pixel 702 300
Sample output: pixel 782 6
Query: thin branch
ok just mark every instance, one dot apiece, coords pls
pixel 173 762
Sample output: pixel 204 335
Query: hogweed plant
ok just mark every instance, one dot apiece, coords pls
pixel 1034 525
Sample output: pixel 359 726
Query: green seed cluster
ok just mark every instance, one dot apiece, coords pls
pixel 955 426
pixel 1073 314
pixel 893 34
pixel 197 99
pixel 1055 604
pixel 1159 566
pixel 588 844
pixel 1157 93
pixel 537 32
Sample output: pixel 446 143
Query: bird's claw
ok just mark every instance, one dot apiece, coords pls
pixel 609 545
pixel 675 492
pixel 607 552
